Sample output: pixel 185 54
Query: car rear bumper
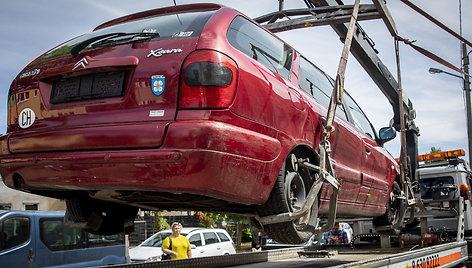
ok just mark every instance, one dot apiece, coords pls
pixel 197 157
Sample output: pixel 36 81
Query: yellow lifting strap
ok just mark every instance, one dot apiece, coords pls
pixel 338 89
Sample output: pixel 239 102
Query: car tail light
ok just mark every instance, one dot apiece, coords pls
pixel 465 192
pixel 208 80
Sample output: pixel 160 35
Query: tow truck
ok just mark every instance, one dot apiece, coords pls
pixel 454 207
pixel 440 236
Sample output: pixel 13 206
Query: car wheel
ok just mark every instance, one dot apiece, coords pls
pixel 289 193
pixel 101 217
pixel 386 223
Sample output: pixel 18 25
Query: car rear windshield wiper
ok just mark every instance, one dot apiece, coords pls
pixel 106 39
pixel 136 37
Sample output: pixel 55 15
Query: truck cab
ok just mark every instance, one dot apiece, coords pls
pixel 444 178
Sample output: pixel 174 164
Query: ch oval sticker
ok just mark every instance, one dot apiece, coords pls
pixel 26 118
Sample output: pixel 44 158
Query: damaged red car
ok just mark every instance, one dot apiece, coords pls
pixel 193 107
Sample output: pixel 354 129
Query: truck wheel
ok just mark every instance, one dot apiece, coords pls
pixel 385 223
pixel 289 193
pixel 101 217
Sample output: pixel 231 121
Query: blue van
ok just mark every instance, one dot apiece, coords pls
pixel 41 239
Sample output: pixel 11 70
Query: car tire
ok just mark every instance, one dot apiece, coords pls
pixel 385 224
pixel 101 217
pixel 278 202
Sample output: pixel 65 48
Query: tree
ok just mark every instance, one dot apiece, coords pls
pixel 210 220
pixel 241 226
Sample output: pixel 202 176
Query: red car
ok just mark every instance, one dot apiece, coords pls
pixel 193 107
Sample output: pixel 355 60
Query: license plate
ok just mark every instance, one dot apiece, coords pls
pixel 88 87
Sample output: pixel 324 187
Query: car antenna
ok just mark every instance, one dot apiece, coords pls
pixel 177 14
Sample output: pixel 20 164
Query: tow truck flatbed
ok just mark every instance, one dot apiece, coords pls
pixel 445 255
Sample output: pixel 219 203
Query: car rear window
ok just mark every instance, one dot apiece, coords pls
pixel 260 45
pixel 223 237
pixel 168 26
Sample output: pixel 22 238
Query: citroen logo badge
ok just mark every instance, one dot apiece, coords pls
pixel 81 63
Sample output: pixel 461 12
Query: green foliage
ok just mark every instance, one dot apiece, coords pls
pixel 209 220
pixel 435 150
pixel 212 220
pixel 161 223
pixel 246 234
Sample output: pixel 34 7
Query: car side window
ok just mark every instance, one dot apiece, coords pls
pixel 94 240
pixel 260 45
pixel 57 236
pixel 223 237
pixel 360 121
pixel 195 240
pixel 14 232
pixel 52 233
pixel 210 238
pixel 314 82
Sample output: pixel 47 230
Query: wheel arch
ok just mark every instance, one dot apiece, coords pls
pixel 281 195
pixel 303 150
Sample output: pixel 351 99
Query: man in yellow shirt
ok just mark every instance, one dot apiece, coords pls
pixel 180 244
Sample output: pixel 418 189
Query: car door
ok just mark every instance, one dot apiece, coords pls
pixel 196 240
pixel 16 244
pixel 226 243
pixel 212 246
pixel 346 145
pixel 375 167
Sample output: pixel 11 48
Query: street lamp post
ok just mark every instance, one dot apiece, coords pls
pixel 438 71
pixel 465 63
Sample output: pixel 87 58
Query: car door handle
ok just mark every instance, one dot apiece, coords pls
pixel 30 254
pixel 367 150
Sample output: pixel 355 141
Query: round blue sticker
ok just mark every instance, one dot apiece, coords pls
pixel 158 84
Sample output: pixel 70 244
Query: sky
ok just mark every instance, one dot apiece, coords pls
pixel 30 28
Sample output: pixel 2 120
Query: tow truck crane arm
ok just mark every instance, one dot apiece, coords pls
pixel 334 13
pixel 366 55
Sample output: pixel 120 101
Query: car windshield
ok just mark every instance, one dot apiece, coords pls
pixel 427 185
pixel 157 239
pixel 167 26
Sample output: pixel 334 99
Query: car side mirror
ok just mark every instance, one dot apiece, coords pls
pixel 192 246
pixel 386 134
